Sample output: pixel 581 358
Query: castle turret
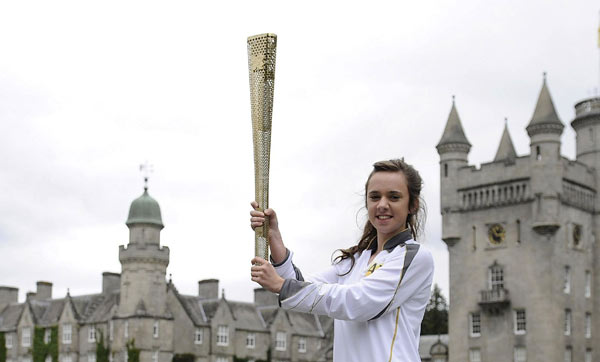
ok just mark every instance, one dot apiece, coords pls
pixel 545 129
pixel 453 149
pixel 587 127
pixel 144 262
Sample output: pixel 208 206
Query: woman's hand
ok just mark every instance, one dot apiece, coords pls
pixel 257 219
pixel 264 274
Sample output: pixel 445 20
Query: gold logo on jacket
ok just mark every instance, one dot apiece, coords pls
pixel 372 268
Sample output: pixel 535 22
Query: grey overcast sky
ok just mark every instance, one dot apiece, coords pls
pixel 89 90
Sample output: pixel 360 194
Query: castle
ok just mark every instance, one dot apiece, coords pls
pixel 139 310
pixel 521 236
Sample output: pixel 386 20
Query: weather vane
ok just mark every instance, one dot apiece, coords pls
pixel 146 169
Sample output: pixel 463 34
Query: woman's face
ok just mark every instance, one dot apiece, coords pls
pixel 387 203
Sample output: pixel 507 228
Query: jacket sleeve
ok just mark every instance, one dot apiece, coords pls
pixel 287 270
pixel 400 278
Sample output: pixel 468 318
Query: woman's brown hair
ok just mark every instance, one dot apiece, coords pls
pixel 414 221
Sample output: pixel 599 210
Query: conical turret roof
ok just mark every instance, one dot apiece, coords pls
pixel 144 210
pixel 506 150
pixel 453 133
pixel 545 113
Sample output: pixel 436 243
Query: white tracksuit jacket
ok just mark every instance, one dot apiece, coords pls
pixel 377 307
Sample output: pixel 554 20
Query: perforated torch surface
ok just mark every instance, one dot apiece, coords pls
pixel 261 65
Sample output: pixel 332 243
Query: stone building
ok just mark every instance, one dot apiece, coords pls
pixel 521 233
pixel 140 306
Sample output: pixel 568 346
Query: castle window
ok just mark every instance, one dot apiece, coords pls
pixel 588 325
pixel 111 330
pixel 251 340
pixel 47 335
pixel 155 329
pixel 26 337
pixel 588 284
pixel 222 335
pixel 302 345
pixel 495 277
pixel 475 324
pixel 520 321
pixel 567 281
pixel 518 231
pixel 8 342
pixel 474 238
pixel 91 334
pixel 126 329
pixel 520 354
pixel 198 336
pixel 538 153
pixel 445 170
pixel 280 341
pixel 569 354
pixel 91 357
pixel 66 334
pixel 567 326
pixel 474 355
pixel 588 355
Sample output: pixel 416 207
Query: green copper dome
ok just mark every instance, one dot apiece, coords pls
pixel 144 210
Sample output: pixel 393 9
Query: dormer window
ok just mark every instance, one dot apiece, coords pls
pixel 26 337
pixel 66 334
pixel 91 334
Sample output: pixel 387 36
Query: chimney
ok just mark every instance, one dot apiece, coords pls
pixel 208 288
pixel 8 295
pixel 30 296
pixel 111 282
pixel 44 290
pixel 263 297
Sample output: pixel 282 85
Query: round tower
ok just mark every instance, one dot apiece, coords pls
pixel 144 262
pixel 545 129
pixel 453 149
pixel 587 127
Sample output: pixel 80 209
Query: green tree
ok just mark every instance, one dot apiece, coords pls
pixel 435 320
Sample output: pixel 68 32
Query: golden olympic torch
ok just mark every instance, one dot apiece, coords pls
pixel 261 65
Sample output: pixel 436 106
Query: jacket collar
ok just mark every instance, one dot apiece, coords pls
pixel 398 239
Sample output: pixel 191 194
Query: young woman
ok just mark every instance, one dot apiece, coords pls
pixel 376 290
